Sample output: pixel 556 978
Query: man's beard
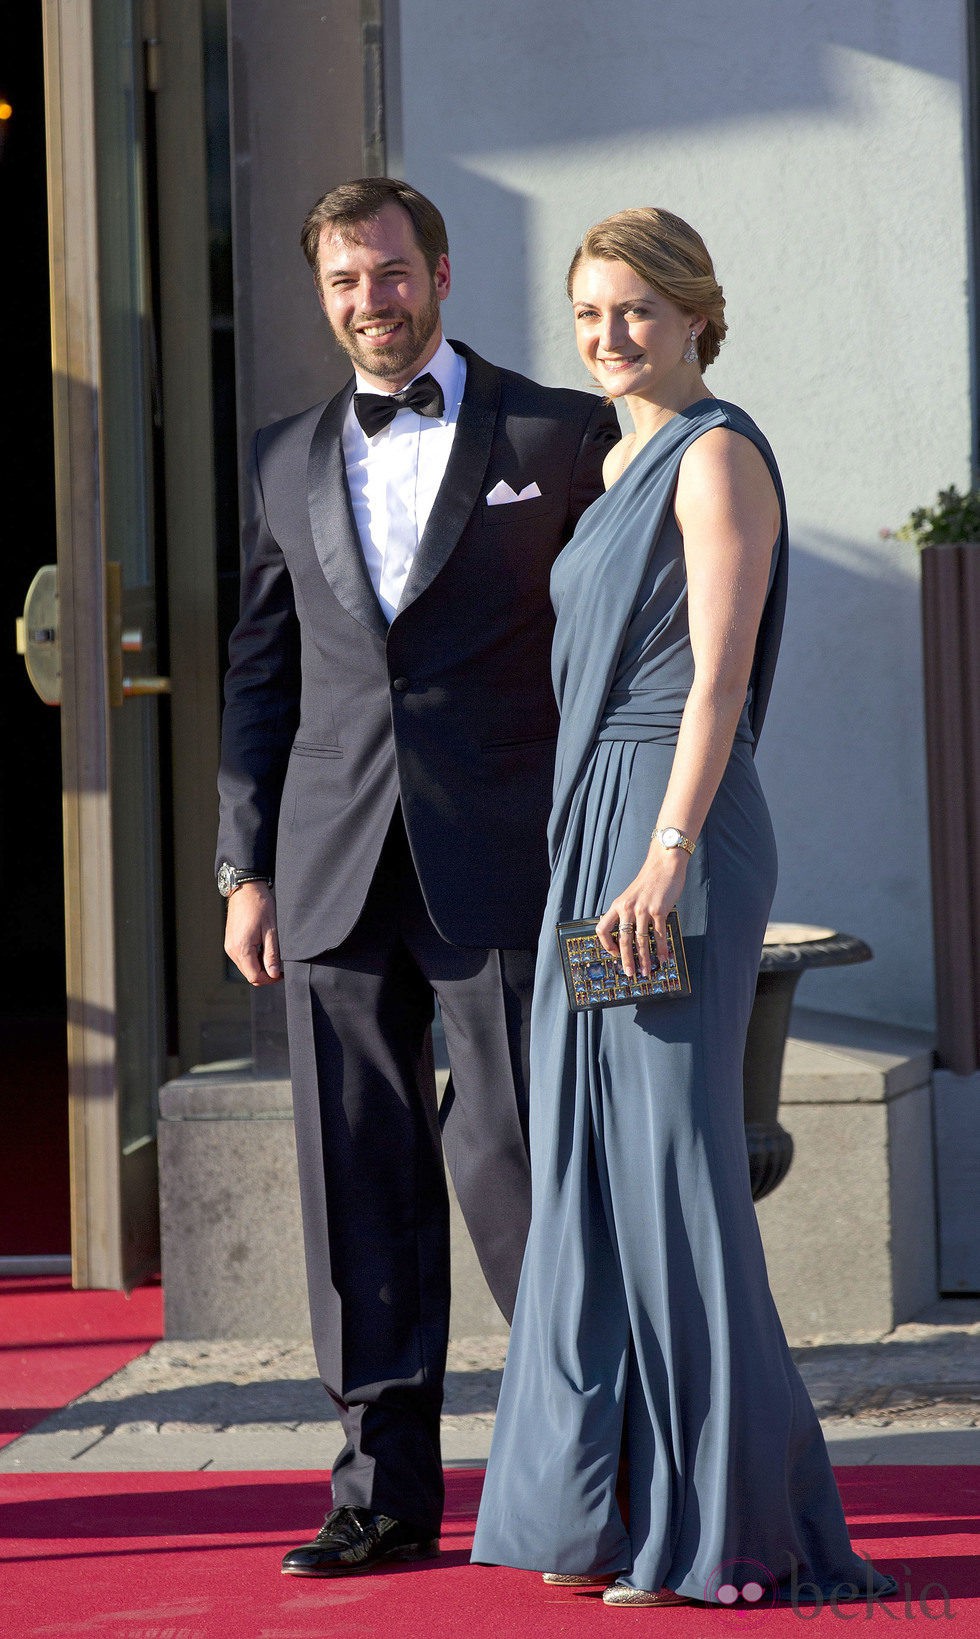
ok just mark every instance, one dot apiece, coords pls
pixel 395 360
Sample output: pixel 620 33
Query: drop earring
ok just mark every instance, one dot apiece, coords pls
pixel 691 356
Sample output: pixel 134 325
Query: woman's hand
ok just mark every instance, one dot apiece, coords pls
pixel 624 930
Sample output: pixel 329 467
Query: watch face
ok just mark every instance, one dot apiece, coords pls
pixel 670 836
pixel 226 879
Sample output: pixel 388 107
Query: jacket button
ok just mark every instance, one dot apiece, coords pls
pixel 401 684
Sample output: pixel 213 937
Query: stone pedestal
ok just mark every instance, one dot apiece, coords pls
pixel 232 1239
pixel 230 1230
pixel 850 1236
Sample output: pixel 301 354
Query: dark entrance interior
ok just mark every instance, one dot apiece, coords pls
pixel 34 1189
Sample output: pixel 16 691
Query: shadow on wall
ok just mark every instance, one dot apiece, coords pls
pixel 482 218
pixel 560 67
pixel 852 633
pixel 529 82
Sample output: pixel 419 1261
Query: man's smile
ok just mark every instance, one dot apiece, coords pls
pixel 386 328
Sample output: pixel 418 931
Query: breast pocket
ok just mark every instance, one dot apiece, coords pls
pixel 521 514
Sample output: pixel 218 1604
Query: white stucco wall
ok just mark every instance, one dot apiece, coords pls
pixel 821 152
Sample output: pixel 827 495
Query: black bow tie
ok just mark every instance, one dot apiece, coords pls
pixel 375 410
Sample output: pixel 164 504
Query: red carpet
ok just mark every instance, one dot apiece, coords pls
pixel 195 1556
pixel 55 1343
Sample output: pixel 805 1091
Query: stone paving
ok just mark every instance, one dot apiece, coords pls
pixel 912 1396
pixel 238 1405
pixel 924 1374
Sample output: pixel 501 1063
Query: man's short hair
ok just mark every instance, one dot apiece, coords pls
pixel 352 202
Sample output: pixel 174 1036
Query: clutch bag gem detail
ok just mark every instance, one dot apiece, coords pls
pixel 593 978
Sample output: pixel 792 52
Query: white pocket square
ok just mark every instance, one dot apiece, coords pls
pixel 502 494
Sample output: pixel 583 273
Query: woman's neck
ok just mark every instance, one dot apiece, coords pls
pixel 649 415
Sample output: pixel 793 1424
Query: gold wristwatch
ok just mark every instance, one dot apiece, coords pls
pixel 668 836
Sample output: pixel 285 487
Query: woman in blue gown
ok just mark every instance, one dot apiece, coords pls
pixel 645 1341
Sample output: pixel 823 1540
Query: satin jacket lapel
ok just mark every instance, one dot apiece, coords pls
pixel 466 469
pixel 338 545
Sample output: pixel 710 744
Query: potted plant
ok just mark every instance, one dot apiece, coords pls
pixel 948 537
pixel 953 520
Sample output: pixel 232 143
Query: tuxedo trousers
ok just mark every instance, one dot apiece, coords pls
pixel 371 1141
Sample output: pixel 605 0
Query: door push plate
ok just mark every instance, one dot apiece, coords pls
pixel 38 638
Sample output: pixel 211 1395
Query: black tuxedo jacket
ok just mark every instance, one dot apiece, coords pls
pixel 332 715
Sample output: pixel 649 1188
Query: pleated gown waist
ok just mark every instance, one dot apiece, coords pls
pixel 653 716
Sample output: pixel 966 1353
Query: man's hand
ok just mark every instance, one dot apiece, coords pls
pixel 251 939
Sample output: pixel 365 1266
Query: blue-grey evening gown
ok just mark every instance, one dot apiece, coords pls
pixel 644 1321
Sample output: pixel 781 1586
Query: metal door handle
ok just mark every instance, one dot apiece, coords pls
pixel 145 685
pixel 39 641
pixel 124 641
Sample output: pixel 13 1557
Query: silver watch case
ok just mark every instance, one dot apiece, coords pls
pixel 231 877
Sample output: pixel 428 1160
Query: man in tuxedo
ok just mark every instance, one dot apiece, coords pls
pixel 387 755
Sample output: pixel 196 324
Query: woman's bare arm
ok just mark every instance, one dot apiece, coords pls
pixel 728 513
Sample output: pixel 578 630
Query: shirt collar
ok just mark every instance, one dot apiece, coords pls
pixel 446 365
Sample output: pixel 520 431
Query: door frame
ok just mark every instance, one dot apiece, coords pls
pixel 212 1002
pixel 112 1244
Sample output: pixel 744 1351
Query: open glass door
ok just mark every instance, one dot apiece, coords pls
pixel 103 624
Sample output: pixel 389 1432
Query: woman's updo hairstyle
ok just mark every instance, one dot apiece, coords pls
pixel 669 255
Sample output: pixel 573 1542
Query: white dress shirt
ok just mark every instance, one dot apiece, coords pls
pixel 394 477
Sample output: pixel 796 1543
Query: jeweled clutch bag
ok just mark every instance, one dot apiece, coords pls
pixel 593 978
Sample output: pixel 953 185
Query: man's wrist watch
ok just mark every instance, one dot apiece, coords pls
pixel 231 877
pixel 669 836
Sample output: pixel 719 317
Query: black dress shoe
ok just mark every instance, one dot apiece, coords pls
pixel 353 1539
